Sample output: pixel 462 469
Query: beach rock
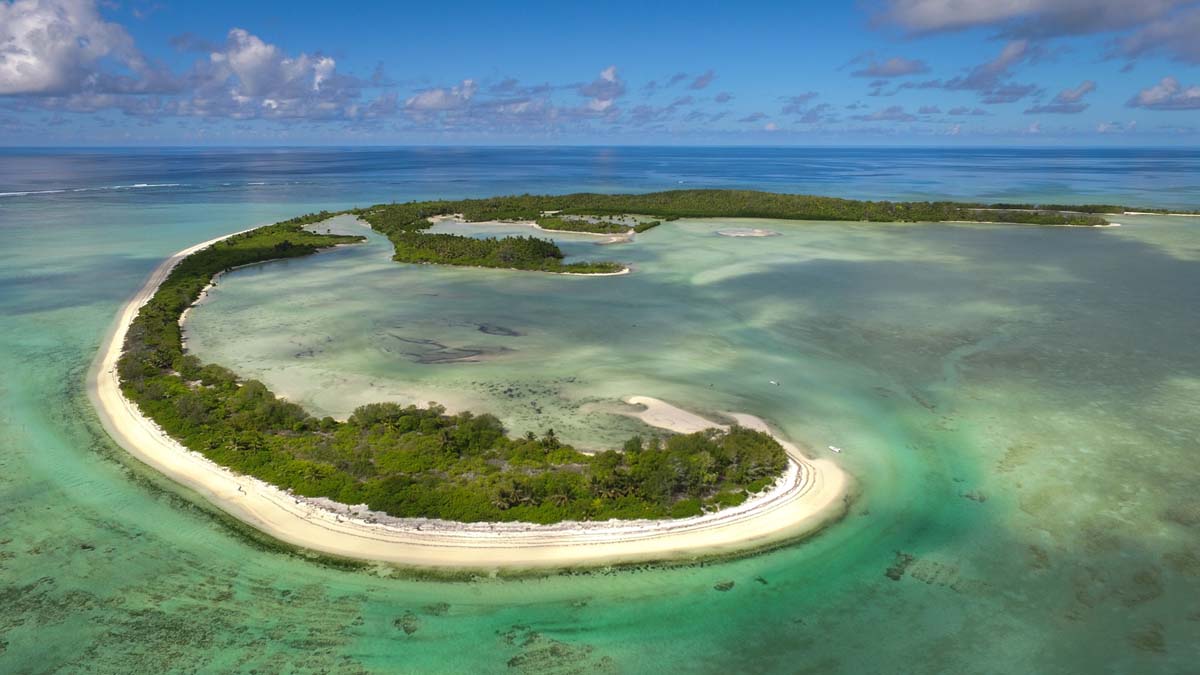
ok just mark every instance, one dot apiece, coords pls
pixel 901 563
pixel 723 586
pixel 1149 639
pixel 409 623
pixel 436 609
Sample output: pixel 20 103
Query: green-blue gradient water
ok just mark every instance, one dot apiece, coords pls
pixel 1018 404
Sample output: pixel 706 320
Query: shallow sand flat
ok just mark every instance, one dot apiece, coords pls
pixel 747 232
pixel 811 493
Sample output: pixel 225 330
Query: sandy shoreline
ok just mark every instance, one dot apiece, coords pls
pixel 747 232
pixel 811 493
pixel 612 237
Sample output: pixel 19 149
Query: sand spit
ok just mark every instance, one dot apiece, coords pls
pixel 747 232
pixel 609 237
pixel 810 493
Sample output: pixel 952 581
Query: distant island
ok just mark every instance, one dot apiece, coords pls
pixel 406 224
pixel 423 463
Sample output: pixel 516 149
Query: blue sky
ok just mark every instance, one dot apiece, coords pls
pixel 883 72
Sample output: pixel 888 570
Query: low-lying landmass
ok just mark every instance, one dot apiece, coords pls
pixel 424 464
pixel 407 461
pixel 406 224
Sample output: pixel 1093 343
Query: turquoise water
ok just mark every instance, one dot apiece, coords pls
pixel 1018 405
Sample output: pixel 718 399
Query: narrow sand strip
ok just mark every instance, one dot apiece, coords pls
pixel 459 219
pixel 811 493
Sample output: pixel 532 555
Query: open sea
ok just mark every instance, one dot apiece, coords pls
pixel 1019 405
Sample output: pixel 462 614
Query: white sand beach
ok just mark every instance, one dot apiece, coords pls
pixel 609 237
pixel 811 493
pixel 747 232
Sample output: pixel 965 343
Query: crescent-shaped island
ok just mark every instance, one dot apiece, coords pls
pixel 421 488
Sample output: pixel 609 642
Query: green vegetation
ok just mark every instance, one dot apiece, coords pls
pixel 1069 208
pixel 409 461
pixel 404 225
pixel 581 225
pixel 710 204
pixel 522 253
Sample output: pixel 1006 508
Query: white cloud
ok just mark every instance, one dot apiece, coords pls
pixel 261 70
pixel 1175 36
pixel 442 98
pixel 991 79
pixel 248 77
pixel 1030 18
pixel 58 47
pixel 604 90
pixel 1168 94
pixel 1068 101
pixel 896 66
pixel 703 80
pixel 1116 127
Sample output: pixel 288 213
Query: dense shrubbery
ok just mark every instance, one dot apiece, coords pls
pixel 408 461
pixel 422 462
pixel 582 225
pixel 722 203
pixel 404 223
pixel 523 253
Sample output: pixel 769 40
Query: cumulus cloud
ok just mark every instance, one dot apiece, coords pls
pixel 890 114
pixel 65 48
pixel 248 77
pixel 1068 101
pixel 896 66
pixel 965 110
pixel 796 105
pixel 723 97
pixel 604 90
pixel 1162 27
pixel 804 113
pixel 1174 37
pixel 61 55
pixel 1168 94
pixel 822 113
pixel 929 110
pixel 702 80
pixel 991 79
pixel 442 98
pixel 1116 127
pixel 753 117
pixel 1026 18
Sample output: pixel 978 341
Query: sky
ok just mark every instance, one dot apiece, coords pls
pixel 874 72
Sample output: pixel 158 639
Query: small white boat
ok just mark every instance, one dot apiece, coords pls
pixel 773 382
pixel 835 448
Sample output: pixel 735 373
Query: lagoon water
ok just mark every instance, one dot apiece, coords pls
pixel 1018 405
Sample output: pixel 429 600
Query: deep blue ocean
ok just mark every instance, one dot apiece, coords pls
pixel 1160 177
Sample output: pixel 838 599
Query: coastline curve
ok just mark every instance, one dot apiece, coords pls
pixel 810 494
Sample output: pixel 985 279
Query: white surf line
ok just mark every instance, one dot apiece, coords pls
pixel 809 494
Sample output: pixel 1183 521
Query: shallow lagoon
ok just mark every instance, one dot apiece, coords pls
pixel 1017 403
